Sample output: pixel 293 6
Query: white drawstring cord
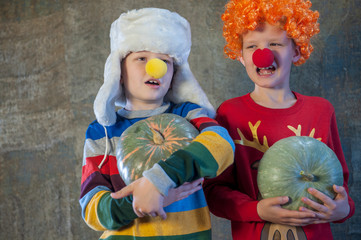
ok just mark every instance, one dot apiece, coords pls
pixel 106 148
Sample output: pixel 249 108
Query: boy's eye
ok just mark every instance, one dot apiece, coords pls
pixel 251 46
pixel 141 59
pixel 275 44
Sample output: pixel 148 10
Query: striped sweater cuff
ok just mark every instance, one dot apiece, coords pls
pixel 160 179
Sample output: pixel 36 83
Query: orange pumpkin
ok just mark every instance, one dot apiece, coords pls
pixel 148 141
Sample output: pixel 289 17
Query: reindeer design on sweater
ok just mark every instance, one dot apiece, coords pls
pixel 271 230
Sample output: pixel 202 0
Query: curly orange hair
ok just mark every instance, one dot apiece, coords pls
pixel 293 16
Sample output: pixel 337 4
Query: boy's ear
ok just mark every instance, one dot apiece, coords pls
pixel 297 54
pixel 121 71
pixel 240 58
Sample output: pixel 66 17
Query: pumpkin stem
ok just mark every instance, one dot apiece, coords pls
pixel 307 176
pixel 157 136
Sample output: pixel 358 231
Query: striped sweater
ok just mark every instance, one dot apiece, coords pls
pixel 210 153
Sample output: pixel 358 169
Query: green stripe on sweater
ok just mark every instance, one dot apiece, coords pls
pixel 193 162
pixel 205 235
pixel 120 212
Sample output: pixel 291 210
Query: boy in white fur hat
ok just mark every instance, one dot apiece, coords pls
pixel 137 37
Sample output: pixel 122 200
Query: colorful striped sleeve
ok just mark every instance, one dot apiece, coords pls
pixel 103 212
pixel 210 153
pixel 99 210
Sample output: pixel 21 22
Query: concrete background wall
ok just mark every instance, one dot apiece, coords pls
pixel 52 55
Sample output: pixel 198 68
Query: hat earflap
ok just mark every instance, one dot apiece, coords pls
pixel 186 88
pixel 110 92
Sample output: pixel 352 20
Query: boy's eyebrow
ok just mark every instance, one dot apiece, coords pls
pixel 250 40
pixel 278 38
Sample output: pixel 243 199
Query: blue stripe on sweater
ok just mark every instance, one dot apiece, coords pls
pixel 96 131
pixel 194 201
pixel 223 133
pixel 87 197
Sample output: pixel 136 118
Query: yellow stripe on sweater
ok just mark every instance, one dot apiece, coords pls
pixel 220 149
pixel 91 216
pixel 177 223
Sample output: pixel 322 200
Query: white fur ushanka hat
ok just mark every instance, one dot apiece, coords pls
pixel 148 29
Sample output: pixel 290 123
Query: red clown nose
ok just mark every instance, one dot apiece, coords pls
pixel 263 58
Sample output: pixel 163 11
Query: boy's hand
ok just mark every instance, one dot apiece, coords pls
pixel 331 210
pixel 270 210
pixel 183 191
pixel 143 207
pixel 147 200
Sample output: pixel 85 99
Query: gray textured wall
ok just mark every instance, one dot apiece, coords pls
pixel 52 55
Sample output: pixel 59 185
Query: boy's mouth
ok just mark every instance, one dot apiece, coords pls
pixel 266 71
pixel 153 82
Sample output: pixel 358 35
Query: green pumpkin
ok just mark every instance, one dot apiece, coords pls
pixel 148 141
pixel 294 164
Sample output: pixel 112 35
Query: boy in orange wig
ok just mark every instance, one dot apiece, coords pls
pixel 267 37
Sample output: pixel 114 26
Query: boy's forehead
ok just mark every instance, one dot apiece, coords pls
pixel 260 27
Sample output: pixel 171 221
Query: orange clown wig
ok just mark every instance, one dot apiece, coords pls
pixel 293 16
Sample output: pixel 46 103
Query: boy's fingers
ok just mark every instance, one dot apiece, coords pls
pixel 117 195
pixel 321 196
pixel 162 214
pixel 190 187
pixel 152 214
pixel 198 182
pixel 314 205
pixel 340 190
pixel 190 191
pixel 304 209
pixel 138 212
pixel 311 213
pixel 124 192
pixel 279 200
